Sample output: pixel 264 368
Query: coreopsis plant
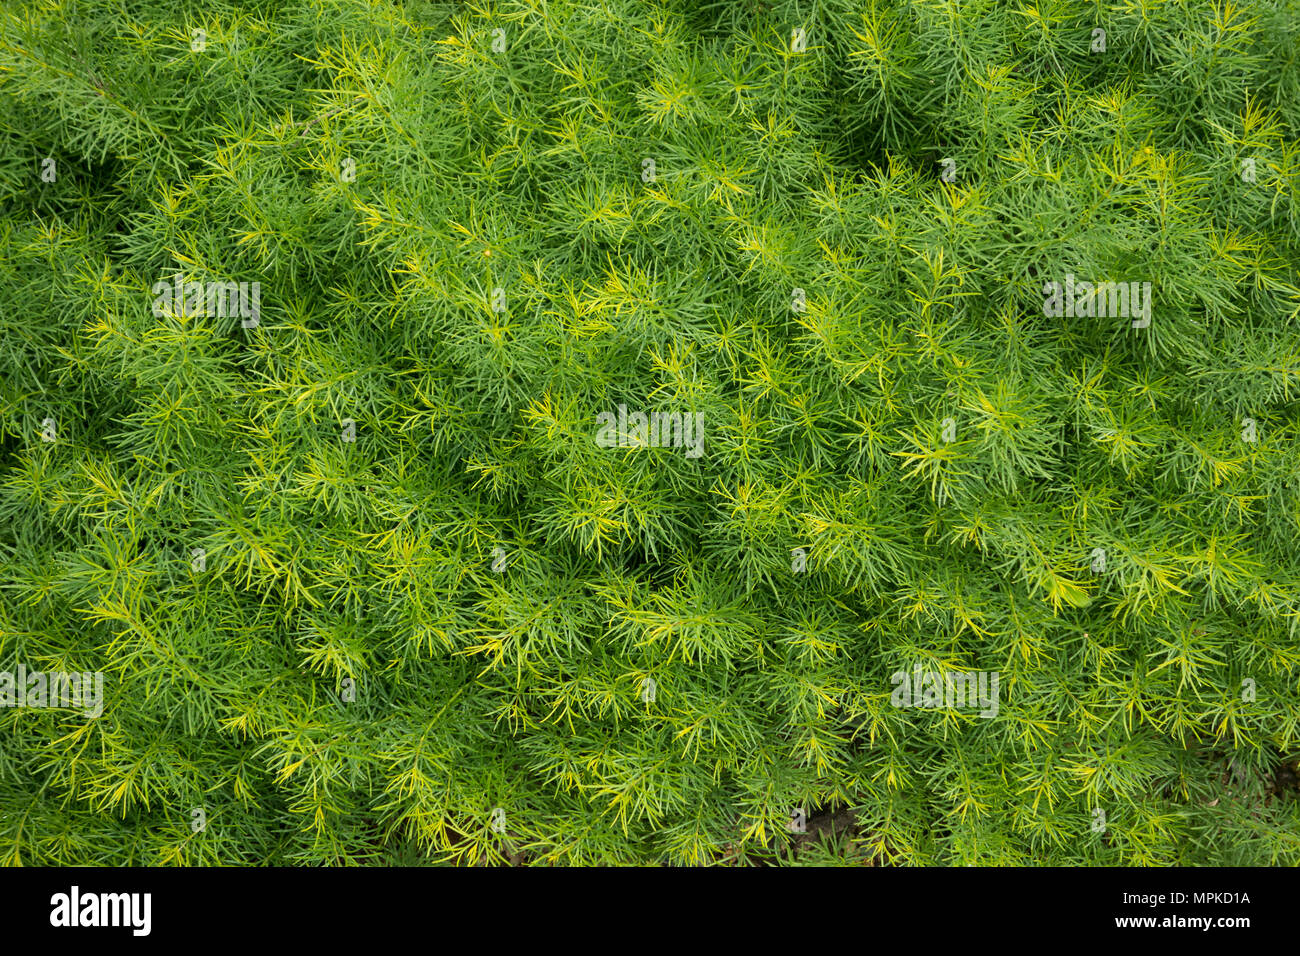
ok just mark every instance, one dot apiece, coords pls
pixel 606 432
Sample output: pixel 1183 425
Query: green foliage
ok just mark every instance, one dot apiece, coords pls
pixel 370 564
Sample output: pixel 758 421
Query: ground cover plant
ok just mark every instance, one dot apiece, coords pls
pixel 610 432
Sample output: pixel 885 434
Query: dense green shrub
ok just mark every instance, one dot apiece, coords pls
pixel 364 580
